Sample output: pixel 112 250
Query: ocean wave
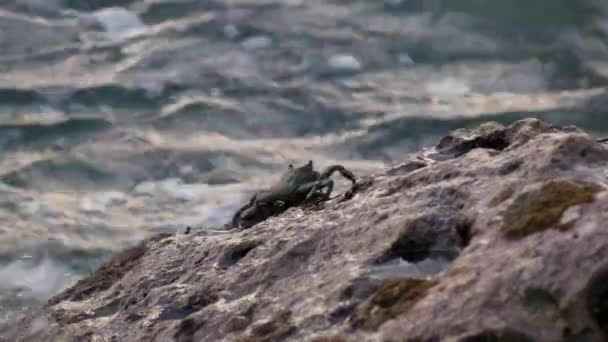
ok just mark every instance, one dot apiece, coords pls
pixel 150 94
pixel 65 173
pixel 15 96
pixel 59 134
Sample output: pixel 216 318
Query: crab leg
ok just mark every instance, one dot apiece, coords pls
pixel 338 168
pixel 324 180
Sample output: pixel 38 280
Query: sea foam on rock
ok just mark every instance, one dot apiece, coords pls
pixel 486 215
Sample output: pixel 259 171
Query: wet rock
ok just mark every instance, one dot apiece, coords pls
pixel 498 234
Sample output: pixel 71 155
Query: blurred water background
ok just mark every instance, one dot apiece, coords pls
pixel 120 119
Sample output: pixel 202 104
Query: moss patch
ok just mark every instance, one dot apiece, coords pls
pixel 278 328
pixel 502 196
pixel 394 297
pixel 539 300
pixel 542 209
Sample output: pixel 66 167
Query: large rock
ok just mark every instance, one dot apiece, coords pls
pixel 496 234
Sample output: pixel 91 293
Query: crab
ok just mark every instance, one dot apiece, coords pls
pixel 297 186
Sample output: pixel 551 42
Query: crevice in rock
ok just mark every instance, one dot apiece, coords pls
pixel 185 330
pixel 421 239
pixel 510 167
pixel 502 196
pixel 498 335
pixel 332 338
pixel 195 302
pixel 342 312
pixel 459 142
pixel 278 328
pixel 463 226
pixel 584 335
pixel 134 317
pixel 539 300
pixel 596 299
pixel 424 248
pixel 409 246
pixel 108 309
pixel 233 254
pixel 359 289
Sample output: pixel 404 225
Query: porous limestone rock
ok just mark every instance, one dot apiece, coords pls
pixel 511 219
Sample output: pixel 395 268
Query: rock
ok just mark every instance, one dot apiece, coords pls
pixel 497 233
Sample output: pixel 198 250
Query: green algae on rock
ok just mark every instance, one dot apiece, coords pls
pixel 276 329
pixel 502 196
pixel 542 209
pixel 394 297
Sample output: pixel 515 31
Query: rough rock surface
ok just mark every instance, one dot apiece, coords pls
pixel 495 234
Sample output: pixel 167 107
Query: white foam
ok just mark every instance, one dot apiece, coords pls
pixel 344 63
pixel 448 87
pixel 258 42
pixel 172 188
pixel 42 280
pixel 119 23
pixel 102 201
